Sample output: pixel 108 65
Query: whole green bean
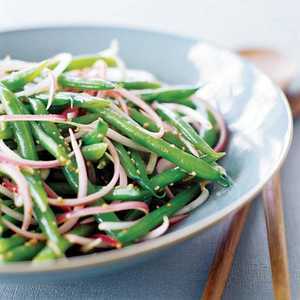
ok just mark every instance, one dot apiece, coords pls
pixel 188 132
pixel 67 80
pixel 85 61
pixel 22 253
pixel 169 94
pixel 11 242
pixel 193 165
pixel 70 81
pixel 155 218
pixel 5 131
pixel 47 253
pixel 133 167
pixel 211 135
pixel 160 181
pixel 138 85
pixel 75 99
pixel 148 124
pixel 16 81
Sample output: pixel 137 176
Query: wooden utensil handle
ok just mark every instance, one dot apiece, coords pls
pixel 276 238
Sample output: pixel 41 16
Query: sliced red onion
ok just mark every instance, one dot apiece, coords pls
pixel 164 165
pixel 117 137
pixel 50 118
pixel 88 220
pixel 49 191
pixel 22 232
pixel 64 60
pixel 189 146
pixel 102 192
pixel 82 183
pixel 123 179
pixel 196 203
pixel 77 239
pixel 147 109
pixel 190 113
pixel 113 207
pixel 12 213
pixel 10 65
pixel 169 192
pixel 176 219
pixel 52 88
pixel 23 188
pixel 151 163
pixel 116 225
pixel 6 192
pixel 82 173
pixel 24 163
pixel 160 230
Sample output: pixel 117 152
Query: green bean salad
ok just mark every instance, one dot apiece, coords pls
pixel 97 156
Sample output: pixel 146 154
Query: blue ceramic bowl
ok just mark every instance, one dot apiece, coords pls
pixel 256 112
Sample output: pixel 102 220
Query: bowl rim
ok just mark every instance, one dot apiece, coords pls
pixel 171 238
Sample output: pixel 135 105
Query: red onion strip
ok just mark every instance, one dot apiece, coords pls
pixel 123 179
pixel 23 189
pixel 22 232
pixel 195 203
pixel 151 163
pixel 160 230
pixel 146 108
pixel 50 118
pixel 128 205
pixel 12 213
pixel 24 163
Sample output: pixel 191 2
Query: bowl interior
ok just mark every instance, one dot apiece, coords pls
pixel 255 110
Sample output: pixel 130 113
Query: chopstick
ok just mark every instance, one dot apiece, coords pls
pixel 224 256
pixel 276 238
pixel 222 263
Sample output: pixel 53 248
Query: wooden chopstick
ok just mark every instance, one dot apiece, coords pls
pixel 276 238
pixel 222 263
pixel 223 259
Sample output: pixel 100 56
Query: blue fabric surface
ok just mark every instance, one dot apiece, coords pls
pixel 182 272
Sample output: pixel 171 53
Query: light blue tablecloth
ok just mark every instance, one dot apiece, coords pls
pixel 181 274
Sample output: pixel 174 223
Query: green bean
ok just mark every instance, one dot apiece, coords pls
pixel 155 218
pixel 70 81
pixel 138 85
pixel 134 168
pixel 142 173
pixel 75 99
pixel 94 152
pixel 11 242
pixel 5 131
pixel 169 94
pixel 47 253
pixel 211 135
pixel 87 118
pixel 44 214
pixel 17 80
pixel 3 228
pixel 85 61
pixel 21 253
pixel 159 182
pixel 188 132
pixel 195 166
pixel 148 124
pixel 96 135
